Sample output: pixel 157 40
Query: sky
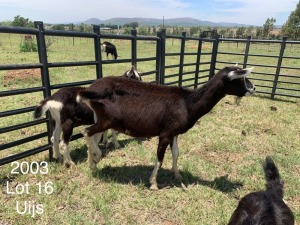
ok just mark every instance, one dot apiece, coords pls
pixel 250 12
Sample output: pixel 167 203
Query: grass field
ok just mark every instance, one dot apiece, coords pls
pixel 220 157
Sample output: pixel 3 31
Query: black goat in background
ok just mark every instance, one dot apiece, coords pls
pixel 109 48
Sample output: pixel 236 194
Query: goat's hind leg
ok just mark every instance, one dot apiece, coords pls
pixel 94 153
pixel 55 141
pixel 67 129
pixel 175 154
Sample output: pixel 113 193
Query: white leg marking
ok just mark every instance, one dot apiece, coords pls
pixel 104 138
pixel 153 176
pixel 175 154
pixel 55 141
pixel 94 153
pixel 115 138
pixel 66 153
pixel 97 137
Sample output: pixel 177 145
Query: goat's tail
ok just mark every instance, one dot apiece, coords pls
pixel 272 177
pixel 40 109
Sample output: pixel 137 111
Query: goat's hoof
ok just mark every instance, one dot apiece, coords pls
pixel 58 158
pixel 178 176
pixel 92 165
pixel 69 163
pixel 96 157
pixel 117 145
pixel 153 187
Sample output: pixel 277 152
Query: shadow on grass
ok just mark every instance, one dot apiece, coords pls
pixel 140 174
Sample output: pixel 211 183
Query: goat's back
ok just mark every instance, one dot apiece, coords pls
pixel 64 102
pixel 136 108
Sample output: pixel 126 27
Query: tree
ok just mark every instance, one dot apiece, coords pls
pixel 133 25
pixel 143 31
pixel 268 26
pixel 58 27
pixel 291 28
pixel 20 21
pixel 240 32
pixel 249 31
pixel 259 32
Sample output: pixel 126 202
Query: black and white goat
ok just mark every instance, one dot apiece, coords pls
pixel 66 113
pixel 147 110
pixel 264 207
pixel 109 48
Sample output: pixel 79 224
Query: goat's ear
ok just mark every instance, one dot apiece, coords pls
pixel 238 74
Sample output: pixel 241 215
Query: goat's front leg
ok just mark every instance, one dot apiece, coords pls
pixel 162 146
pixel 67 128
pixel 175 154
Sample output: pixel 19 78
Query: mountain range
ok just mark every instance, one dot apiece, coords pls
pixel 185 21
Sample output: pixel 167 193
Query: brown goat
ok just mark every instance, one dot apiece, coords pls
pixel 147 110
pixel 66 113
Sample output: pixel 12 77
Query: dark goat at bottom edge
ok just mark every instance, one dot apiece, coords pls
pixel 264 207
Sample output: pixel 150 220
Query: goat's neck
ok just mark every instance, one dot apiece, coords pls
pixel 203 99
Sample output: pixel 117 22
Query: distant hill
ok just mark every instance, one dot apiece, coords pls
pixel 186 21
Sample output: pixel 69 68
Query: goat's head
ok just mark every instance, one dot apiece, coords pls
pixel 236 82
pixel 133 74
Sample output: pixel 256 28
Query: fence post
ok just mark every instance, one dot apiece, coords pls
pixel 98 56
pixel 158 58
pixel 42 51
pixel 214 57
pixel 247 52
pixel 162 35
pixel 181 60
pixel 133 48
pixel 283 44
pixel 198 61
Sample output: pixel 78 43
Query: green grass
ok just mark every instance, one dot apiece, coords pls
pixel 220 157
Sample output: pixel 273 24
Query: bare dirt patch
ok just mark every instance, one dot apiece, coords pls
pixel 13 76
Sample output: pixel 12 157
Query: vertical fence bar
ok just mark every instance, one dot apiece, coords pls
pixel 198 61
pixel 42 51
pixel 98 56
pixel 162 35
pixel 214 57
pixel 181 60
pixel 282 48
pixel 134 48
pixel 158 59
pixel 246 52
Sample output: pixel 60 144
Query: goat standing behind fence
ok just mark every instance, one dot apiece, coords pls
pixel 147 110
pixel 109 48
